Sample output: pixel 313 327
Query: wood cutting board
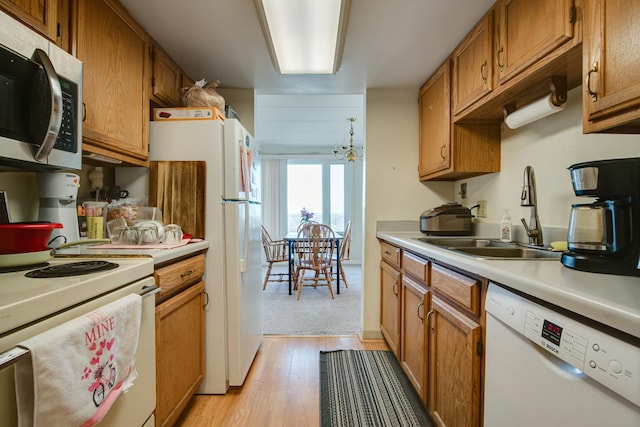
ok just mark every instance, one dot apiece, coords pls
pixel 178 189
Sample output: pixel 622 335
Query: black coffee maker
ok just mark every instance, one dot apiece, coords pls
pixel 604 236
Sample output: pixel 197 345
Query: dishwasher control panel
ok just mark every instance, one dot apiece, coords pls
pixel 608 360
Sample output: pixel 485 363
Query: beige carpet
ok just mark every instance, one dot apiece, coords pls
pixel 315 313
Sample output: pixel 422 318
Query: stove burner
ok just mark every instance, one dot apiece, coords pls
pixel 16 268
pixel 72 269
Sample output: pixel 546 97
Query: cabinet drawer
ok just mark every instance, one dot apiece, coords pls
pixel 175 277
pixel 391 254
pixel 415 267
pixel 462 289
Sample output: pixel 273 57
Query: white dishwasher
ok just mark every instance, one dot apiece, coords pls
pixel 544 368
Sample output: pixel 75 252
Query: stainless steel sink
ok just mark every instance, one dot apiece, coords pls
pixel 465 242
pixel 510 253
pixel 490 249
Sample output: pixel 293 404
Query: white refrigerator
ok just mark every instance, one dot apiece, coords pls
pixel 233 314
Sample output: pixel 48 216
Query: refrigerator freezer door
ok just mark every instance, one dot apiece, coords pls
pixel 242 164
pixel 244 289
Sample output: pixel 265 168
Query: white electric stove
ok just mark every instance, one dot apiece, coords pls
pixel 24 299
pixel 30 306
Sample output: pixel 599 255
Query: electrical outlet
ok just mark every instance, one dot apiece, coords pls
pixel 463 191
pixel 482 209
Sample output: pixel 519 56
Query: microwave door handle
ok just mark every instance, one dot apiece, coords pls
pixel 55 118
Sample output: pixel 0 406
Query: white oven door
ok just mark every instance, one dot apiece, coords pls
pixel 132 408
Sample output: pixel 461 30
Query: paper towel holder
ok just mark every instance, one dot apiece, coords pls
pixel 556 97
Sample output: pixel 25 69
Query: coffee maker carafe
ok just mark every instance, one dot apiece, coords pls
pixel 58 194
pixel 604 236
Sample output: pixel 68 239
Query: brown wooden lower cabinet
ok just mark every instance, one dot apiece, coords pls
pixel 434 324
pixel 390 306
pixel 179 352
pixel 455 350
pixel 413 359
pixel 179 336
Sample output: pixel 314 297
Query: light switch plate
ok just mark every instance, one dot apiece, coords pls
pixel 463 191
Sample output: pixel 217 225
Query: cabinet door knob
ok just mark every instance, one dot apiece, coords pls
pixel 187 273
pixel 500 66
pixel 428 320
pixel 421 305
pixel 442 152
pixel 587 82
pixel 395 288
pixel 482 69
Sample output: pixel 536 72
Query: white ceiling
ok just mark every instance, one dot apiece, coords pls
pixel 389 44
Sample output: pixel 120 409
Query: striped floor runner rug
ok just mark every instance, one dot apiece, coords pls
pixel 367 388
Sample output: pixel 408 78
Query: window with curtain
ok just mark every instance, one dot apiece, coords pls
pixel 315 189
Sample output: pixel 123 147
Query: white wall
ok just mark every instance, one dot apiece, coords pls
pixel 392 189
pixel 242 101
pixel 549 146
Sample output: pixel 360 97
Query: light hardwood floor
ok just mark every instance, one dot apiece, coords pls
pixel 281 389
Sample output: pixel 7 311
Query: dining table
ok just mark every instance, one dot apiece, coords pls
pixel 293 237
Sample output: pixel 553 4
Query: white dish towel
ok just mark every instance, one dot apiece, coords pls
pixel 78 369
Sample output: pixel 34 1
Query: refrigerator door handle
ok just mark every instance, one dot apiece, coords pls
pixel 245 166
pixel 245 253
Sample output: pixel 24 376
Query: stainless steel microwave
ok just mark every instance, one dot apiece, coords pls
pixel 40 101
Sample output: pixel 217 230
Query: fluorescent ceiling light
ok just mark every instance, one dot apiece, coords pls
pixel 304 36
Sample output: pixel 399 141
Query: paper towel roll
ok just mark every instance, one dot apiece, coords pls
pixel 530 113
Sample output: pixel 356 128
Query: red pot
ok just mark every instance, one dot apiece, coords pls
pixel 21 237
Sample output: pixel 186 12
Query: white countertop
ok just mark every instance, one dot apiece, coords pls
pixel 608 299
pixel 159 255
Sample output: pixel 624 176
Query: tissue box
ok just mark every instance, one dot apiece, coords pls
pixel 188 113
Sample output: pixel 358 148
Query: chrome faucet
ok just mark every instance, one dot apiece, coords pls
pixel 529 198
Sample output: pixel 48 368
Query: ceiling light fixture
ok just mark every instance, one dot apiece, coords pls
pixel 304 36
pixel 348 152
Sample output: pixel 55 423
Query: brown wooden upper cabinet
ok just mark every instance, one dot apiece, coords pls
pixel 435 119
pixel 115 53
pixel 611 60
pixel 166 79
pixel 473 65
pixel 41 15
pixel 528 30
pixel 450 151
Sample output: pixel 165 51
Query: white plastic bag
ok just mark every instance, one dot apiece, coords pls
pixel 202 94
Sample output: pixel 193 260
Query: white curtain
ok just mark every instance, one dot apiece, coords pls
pixel 271 197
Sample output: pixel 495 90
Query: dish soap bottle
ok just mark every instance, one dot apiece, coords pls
pixel 505 226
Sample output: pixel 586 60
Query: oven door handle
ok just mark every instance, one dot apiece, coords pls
pixel 149 290
pixel 13 355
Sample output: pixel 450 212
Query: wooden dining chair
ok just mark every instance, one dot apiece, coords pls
pixel 345 251
pixel 313 251
pixel 275 251
pixel 305 224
